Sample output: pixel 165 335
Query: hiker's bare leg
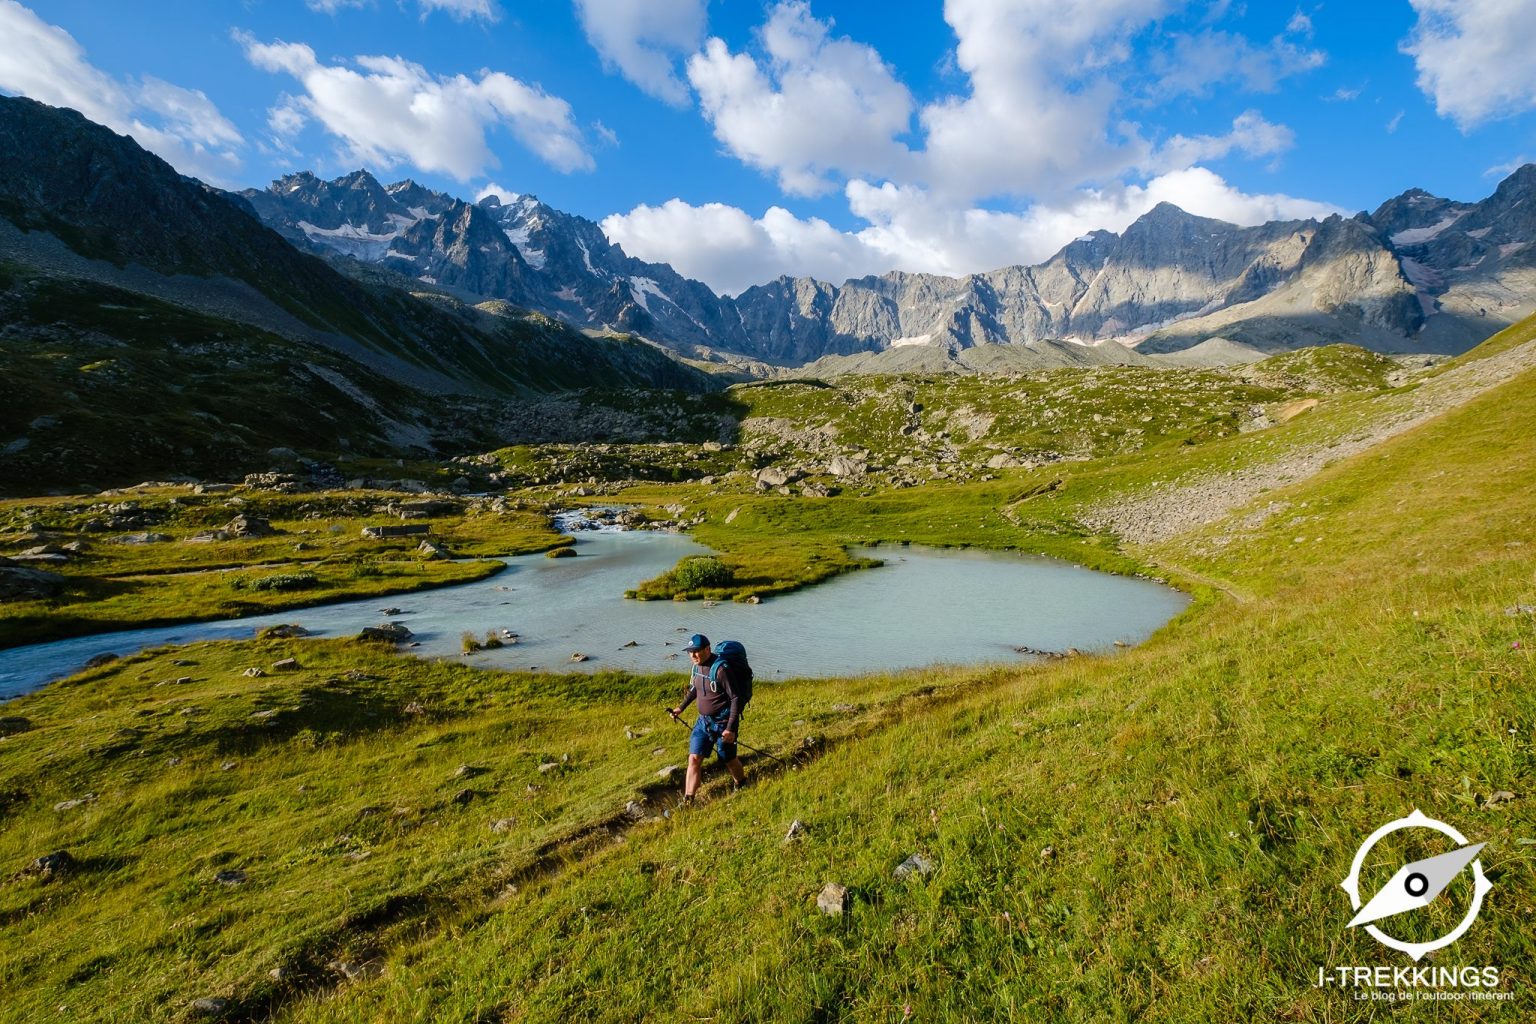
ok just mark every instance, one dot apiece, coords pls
pixel 734 767
pixel 691 780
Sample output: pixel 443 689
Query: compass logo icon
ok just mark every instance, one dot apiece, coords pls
pixel 1416 885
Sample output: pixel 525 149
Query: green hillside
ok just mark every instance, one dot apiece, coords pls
pixel 1155 835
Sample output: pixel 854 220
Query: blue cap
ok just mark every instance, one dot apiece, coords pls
pixel 697 642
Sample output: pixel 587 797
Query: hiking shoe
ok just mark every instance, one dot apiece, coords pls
pixel 686 801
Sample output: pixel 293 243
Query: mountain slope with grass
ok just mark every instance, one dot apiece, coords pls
pixel 1153 835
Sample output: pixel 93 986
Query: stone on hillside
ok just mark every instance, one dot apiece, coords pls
pixel 731 518
pixel 815 491
pixel 1514 611
pixel 414 708
pixel 468 771
pixel 286 665
pixel 10 725
pixel 354 970
pixel 634 809
pixel 211 537
pixel 771 476
pixel 139 538
pixel 432 550
pixel 231 877
pixel 549 766
pixel 19 583
pixel 501 826
pixel 796 830
pixel 463 797
pixel 670 770
pixel 833 899
pixel 210 1006
pixel 249 526
pixel 845 467
pixel 69 805
pixel 253 673
pixel 1498 798
pixel 916 864
pixel 213 488
pixel 1003 460
pixel 53 865
pixel 391 631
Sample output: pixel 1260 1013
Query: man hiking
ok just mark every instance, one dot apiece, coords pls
pixel 720 704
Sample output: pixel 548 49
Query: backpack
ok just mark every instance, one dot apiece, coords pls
pixel 733 655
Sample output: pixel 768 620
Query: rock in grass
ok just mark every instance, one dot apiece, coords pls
pixel 833 899
pixel 916 864
pixel 1499 798
pixel 796 830
pixel 501 826
pixel 670 770
pixel 354 970
pixel 10 725
pixel 549 766
pixel 232 877
pixel 210 1006
pixel 634 809
pixel 53 865
pixel 253 672
pixel 286 665
pixel 467 771
pixel 105 658
pixel 463 797
pixel 69 805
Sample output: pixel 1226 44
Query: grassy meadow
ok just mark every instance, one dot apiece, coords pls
pixel 1155 835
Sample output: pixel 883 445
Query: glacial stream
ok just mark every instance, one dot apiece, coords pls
pixel 922 607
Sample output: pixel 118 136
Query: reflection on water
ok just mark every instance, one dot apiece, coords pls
pixel 922 607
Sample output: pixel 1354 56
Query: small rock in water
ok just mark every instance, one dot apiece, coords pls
pixel 833 899
pixel 917 865
pixel 632 643
pixel 796 830
pixel 578 656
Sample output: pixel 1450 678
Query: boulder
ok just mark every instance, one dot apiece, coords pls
pixel 53 865
pixel 433 551
pixel 282 631
pixel 18 583
pixel 1003 460
pixel 286 665
pixel 845 467
pixel 833 899
pixel 771 476
pixel 394 632
pixel 139 538
pixel 249 526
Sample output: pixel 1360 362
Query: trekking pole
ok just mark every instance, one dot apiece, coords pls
pixel 679 720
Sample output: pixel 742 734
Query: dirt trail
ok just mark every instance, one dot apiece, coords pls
pixel 1149 517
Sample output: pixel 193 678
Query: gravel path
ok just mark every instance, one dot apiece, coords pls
pixel 1168 512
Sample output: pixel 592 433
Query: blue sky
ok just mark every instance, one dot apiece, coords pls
pixel 741 140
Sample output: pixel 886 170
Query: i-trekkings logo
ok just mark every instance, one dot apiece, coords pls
pixel 1412 887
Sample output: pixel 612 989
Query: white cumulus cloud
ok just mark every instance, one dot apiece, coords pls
pixel 819 104
pixel 387 110
pixel 1474 57
pixel 643 39
pixel 183 126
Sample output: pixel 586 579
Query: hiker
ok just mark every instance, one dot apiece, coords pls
pixel 720 704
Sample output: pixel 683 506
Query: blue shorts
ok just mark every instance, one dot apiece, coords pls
pixel 706 734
